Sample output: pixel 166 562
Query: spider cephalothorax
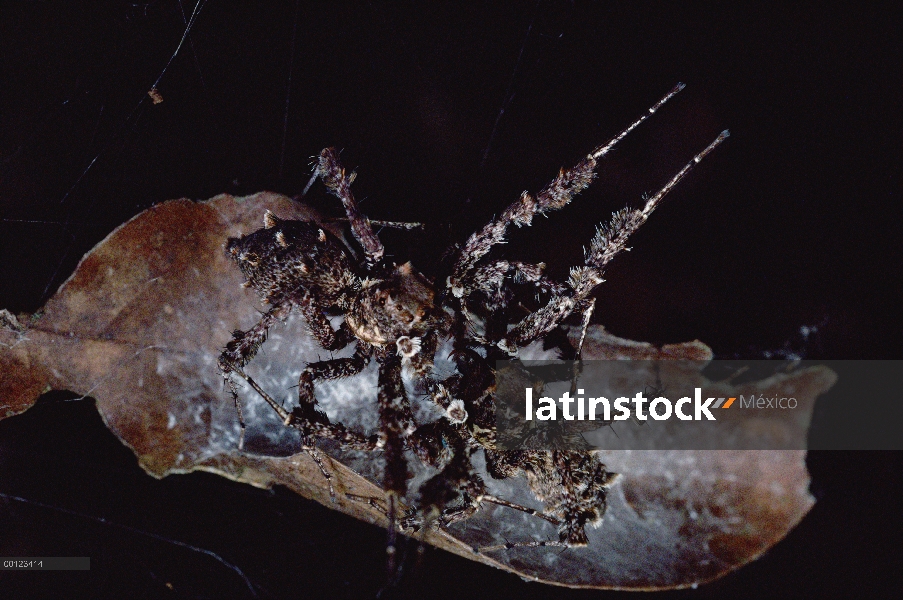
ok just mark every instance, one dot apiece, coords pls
pixel 398 317
pixel 398 310
pixel 299 263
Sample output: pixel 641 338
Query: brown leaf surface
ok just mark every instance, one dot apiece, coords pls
pixel 140 324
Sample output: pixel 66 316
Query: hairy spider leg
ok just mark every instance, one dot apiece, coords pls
pixel 309 445
pixel 520 507
pixel 242 349
pixel 587 308
pixel 376 222
pixel 227 381
pixel 572 485
pixel 319 326
pixel 319 426
pixel 395 423
pixel 245 344
pixel 422 362
pixel 337 368
pixel 490 281
pixel 554 196
pixel 608 242
pixel 331 172
pixel 510 545
pixel 458 513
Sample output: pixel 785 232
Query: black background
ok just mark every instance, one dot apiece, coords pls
pixel 449 112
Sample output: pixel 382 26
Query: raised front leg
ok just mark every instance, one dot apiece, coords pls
pixel 331 171
pixel 554 196
pixel 609 241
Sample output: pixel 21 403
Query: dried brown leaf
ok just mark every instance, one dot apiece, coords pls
pixel 140 324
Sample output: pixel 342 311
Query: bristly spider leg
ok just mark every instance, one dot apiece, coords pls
pixel 520 507
pixel 606 148
pixel 315 427
pixel 333 175
pixel 450 516
pixel 555 196
pixel 336 368
pixel 587 316
pixel 308 443
pixel 608 242
pixel 395 424
pixel 317 457
pixel 510 545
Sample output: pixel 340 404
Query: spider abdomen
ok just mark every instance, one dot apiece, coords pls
pixel 288 257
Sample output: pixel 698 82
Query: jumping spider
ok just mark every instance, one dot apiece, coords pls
pixel 399 317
